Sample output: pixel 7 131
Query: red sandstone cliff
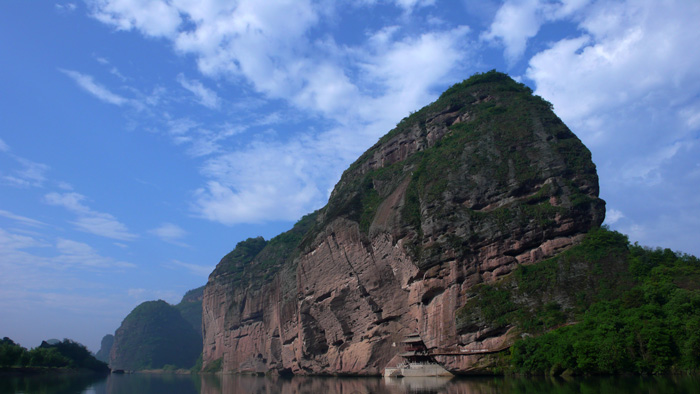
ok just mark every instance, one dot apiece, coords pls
pixel 461 192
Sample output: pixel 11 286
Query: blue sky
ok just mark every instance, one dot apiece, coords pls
pixel 141 140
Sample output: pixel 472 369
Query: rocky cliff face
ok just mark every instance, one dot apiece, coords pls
pixel 462 192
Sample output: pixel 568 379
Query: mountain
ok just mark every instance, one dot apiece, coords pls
pixel 105 348
pixel 155 335
pixel 190 308
pixel 459 195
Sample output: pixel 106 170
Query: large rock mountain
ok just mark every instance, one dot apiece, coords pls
pixel 462 192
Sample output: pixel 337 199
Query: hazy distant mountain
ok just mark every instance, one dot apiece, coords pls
pixel 155 335
pixel 105 348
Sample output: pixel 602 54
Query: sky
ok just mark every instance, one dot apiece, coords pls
pixel 141 140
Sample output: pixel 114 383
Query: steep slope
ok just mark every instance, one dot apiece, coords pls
pixel 462 192
pixel 152 336
pixel 190 308
pixel 105 348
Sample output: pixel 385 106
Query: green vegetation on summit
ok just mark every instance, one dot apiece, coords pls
pixel 256 261
pixel 502 144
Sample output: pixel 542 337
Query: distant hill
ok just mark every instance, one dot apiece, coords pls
pixel 155 335
pixel 105 348
pixel 191 308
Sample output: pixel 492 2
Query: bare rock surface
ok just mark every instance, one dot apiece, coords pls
pixel 460 193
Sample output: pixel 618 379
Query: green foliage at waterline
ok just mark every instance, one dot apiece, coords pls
pixel 65 354
pixel 653 328
pixel 637 310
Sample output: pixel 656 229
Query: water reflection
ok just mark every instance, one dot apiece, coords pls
pixel 480 385
pixel 216 384
pixel 47 383
pixel 148 383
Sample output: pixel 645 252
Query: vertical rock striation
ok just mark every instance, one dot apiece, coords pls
pixel 461 192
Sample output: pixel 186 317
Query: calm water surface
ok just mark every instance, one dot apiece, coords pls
pixel 183 384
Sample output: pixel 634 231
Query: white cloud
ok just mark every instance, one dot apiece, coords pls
pixel 627 86
pixel 170 232
pixel 98 223
pixel 105 225
pixel 3 146
pixel 89 85
pixel 205 96
pixel 411 4
pixel 22 219
pixel 30 174
pixel 627 54
pixel 364 90
pixel 247 186
pixel 67 7
pixel 10 241
pixel 612 216
pixel 517 21
pixel 73 253
pixel 64 185
pixel 154 18
pixel 70 201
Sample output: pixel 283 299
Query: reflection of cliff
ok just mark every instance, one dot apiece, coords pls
pixel 217 384
pixel 459 193
pixel 241 384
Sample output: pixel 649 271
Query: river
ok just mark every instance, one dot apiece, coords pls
pixel 214 384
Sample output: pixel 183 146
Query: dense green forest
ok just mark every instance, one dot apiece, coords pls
pixel 615 307
pixel 65 354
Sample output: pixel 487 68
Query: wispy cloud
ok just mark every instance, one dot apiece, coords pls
pixel 204 95
pixel 363 91
pixel 90 221
pixel 87 83
pixel 75 253
pixel 66 7
pixel 27 173
pixel 170 232
pixel 22 219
